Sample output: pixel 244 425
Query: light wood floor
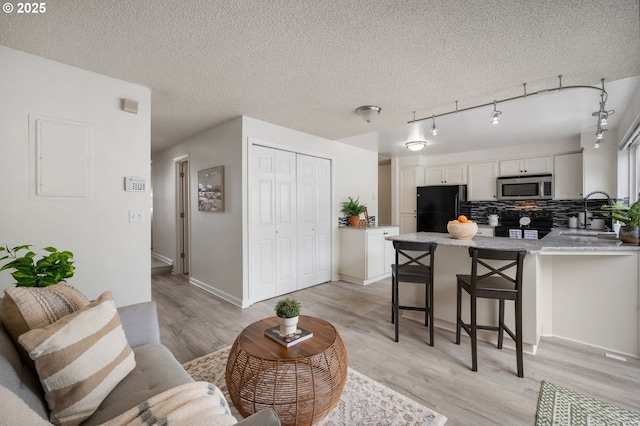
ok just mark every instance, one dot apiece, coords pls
pixel 194 323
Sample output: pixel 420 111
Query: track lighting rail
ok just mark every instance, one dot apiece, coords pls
pixel 524 95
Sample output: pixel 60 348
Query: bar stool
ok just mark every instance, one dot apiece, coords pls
pixel 493 284
pixel 414 269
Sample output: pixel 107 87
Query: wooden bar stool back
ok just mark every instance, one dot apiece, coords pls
pixel 414 264
pixel 492 284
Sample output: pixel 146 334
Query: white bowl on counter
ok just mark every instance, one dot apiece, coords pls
pixel 462 231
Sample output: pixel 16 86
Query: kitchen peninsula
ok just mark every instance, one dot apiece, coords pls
pixel 576 286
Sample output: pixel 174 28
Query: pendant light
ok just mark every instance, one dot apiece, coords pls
pixel 495 115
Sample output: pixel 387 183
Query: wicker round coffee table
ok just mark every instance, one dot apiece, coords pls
pixel 302 383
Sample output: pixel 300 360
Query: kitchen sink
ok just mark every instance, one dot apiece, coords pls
pixel 590 233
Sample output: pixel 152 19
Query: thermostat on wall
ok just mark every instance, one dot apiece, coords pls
pixel 135 184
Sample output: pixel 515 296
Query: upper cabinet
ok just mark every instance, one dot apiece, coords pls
pixel 522 166
pixel 450 175
pixel 411 177
pixel 567 176
pixel 482 181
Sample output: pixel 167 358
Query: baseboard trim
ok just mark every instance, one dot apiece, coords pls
pixel 220 294
pixel 162 258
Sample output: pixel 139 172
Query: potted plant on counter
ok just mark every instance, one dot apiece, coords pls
pixel 627 215
pixel 352 209
pixel 288 311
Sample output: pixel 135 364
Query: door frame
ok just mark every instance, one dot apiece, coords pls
pixel 183 228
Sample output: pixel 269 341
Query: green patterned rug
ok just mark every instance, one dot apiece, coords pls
pixel 559 406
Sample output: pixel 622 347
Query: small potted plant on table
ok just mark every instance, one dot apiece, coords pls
pixel 352 209
pixel 288 310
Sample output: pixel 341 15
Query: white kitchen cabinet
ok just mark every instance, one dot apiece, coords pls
pixel 486 231
pixel 524 166
pixel 567 176
pixel 450 175
pixel 410 178
pixel 482 181
pixel 408 223
pixel 365 255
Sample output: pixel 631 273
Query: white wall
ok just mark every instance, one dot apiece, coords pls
pixel 627 163
pixel 110 253
pixel 516 151
pixel 354 171
pixel 219 240
pixel 600 166
pixel 216 245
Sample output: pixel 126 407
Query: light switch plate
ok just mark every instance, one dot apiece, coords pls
pixel 136 216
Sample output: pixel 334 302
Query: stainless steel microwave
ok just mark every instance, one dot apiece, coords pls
pixel 525 187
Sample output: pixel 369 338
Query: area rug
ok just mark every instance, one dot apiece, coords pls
pixel 363 401
pixel 559 406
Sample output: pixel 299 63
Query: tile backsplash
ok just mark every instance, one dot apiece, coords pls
pixel 344 221
pixel 562 209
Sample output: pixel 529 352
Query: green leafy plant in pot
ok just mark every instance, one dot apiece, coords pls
pixel 352 209
pixel 627 216
pixel 49 269
pixel 288 311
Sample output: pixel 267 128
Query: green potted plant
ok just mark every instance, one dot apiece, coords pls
pixel 49 269
pixel 288 311
pixel 352 209
pixel 627 215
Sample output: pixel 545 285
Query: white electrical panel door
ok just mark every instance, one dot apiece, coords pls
pixel 62 158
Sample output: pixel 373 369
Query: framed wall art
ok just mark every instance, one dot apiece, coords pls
pixel 211 189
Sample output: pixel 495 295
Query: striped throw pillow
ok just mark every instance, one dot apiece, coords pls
pixel 80 359
pixel 26 308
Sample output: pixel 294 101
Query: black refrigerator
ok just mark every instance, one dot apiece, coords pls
pixel 437 205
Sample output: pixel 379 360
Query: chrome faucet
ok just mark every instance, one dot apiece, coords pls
pixel 586 209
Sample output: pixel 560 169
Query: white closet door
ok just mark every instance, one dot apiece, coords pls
pixel 323 220
pixel 285 214
pixel 314 220
pixel 306 231
pixel 262 251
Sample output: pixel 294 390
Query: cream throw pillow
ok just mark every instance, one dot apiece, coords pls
pixel 80 359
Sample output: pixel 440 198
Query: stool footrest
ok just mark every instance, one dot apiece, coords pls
pixel 411 308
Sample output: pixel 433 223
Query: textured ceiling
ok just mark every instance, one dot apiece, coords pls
pixel 307 65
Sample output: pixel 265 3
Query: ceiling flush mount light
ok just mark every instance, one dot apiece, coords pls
pixel 416 145
pixel 434 129
pixel 368 112
pixel 495 114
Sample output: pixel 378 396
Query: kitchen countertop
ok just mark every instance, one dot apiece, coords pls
pixel 558 240
pixel 368 227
